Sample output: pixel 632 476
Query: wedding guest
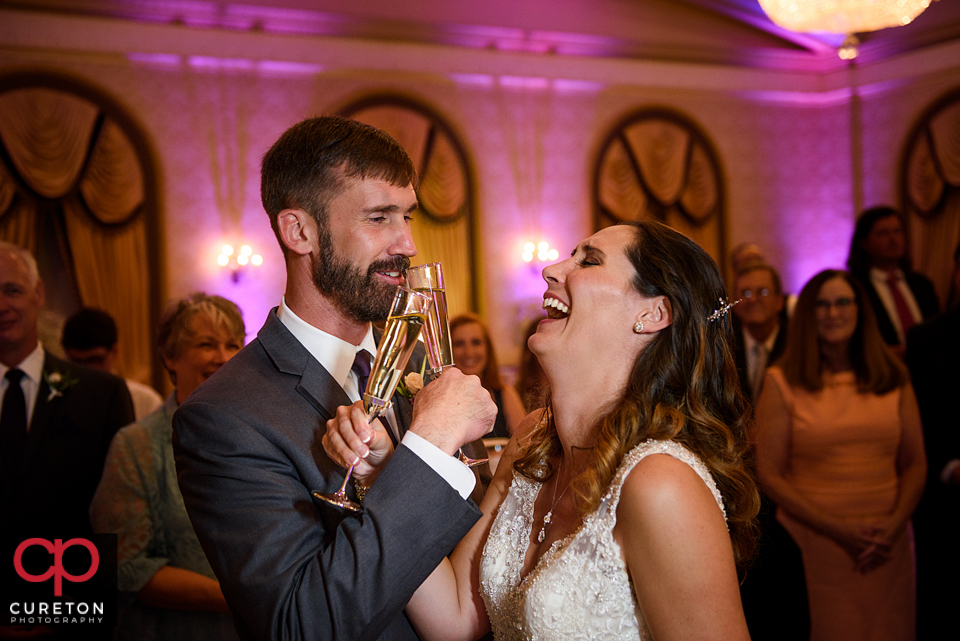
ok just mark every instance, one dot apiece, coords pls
pixel 760 324
pixel 56 418
pixel 622 509
pixel 773 591
pixel 56 421
pixel 840 451
pixel 340 196
pixel 90 339
pixel 168 591
pixel 473 353
pixel 878 258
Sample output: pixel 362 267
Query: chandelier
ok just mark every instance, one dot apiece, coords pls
pixel 843 16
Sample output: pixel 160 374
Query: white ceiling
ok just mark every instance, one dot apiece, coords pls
pixel 732 32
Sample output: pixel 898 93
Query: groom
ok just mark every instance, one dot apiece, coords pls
pixel 339 195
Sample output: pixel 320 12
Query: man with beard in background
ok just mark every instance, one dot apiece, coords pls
pixel 340 196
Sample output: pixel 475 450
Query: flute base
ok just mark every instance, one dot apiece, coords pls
pixel 339 499
pixel 373 407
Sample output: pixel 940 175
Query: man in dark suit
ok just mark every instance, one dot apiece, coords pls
pixel 933 352
pixel 760 324
pixel 56 419
pixel 248 449
pixel 900 298
pixel 774 591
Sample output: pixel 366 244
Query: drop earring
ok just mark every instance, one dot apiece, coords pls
pixel 638 327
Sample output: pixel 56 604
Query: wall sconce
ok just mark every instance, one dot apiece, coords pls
pixel 237 261
pixel 541 251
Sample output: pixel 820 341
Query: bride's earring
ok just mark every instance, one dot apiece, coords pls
pixel 638 327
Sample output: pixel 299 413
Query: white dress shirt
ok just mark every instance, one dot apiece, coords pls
pixel 32 367
pixel 878 278
pixel 337 356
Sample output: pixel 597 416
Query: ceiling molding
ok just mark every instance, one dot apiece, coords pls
pixel 45 33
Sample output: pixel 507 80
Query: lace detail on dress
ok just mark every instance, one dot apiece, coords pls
pixel 579 588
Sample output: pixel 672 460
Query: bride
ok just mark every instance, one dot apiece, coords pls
pixel 622 510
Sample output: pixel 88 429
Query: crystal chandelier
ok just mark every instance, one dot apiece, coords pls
pixel 843 16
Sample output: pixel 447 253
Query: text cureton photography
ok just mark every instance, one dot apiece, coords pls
pixel 59 581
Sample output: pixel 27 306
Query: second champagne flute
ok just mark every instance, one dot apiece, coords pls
pixel 407 317
pixel 428 280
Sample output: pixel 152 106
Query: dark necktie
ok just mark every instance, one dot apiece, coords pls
pixel 760 366
pixel 900 302
pixel 13 427
pixel 361 367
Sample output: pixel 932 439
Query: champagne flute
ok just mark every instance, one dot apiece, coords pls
pixel 428 280
pixel 408 315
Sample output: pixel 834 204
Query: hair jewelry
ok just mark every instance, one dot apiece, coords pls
pixel 722 311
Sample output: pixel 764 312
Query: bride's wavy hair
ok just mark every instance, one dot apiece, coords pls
pixel 684 387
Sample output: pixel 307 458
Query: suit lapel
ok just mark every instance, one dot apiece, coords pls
pixel 323 392
pixel 290 357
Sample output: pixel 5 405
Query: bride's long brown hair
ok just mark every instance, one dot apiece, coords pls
pixel 683 387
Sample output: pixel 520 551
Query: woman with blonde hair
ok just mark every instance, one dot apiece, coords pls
pixel 166 586
pixel 840 451
pixel 620 510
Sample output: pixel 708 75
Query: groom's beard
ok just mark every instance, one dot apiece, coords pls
pixel 360 294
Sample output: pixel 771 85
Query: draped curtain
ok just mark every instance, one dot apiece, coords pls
pixel 69 169
pixel 443 225
pixel 932 192
pixel 656 165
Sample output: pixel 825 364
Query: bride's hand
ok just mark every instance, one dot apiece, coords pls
pixel 350 440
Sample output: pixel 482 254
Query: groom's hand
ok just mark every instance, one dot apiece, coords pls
pixel 453 410
pixel 350 440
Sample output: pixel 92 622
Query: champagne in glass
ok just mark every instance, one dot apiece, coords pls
pixel 407 317
pixel 393 354
pixel 428 280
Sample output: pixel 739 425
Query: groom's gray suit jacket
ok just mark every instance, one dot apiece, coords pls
pixel 248 455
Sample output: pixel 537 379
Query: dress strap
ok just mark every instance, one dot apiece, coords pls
pixel 645 449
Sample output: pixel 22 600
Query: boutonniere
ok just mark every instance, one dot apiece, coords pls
pixel 58 383
pixel 412 383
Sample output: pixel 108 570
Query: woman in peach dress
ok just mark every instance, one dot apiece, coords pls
pixel 840 450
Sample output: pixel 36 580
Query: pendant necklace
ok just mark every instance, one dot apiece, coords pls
pixel 549 515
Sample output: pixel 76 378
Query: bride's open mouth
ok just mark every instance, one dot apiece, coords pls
pixel 556 309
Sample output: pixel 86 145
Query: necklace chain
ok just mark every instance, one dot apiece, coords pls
pixel 556 500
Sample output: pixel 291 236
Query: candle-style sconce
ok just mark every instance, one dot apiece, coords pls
pixel 539 253
pixel 237 261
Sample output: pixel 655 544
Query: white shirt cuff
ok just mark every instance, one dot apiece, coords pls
pixel 948 469
pixel 449 467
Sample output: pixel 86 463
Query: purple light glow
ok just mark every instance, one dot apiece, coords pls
pixel 158 59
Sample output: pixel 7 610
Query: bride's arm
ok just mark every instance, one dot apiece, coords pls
pixel 448 604
pixel 679 554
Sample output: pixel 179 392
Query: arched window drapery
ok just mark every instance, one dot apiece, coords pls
pixel 657 165
pixel 443 226
pixel 931 191
pixel 76 185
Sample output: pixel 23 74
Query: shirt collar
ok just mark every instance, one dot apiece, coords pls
pixel 32 365
pixel 882 275
pixel 750 341
pixel 335 354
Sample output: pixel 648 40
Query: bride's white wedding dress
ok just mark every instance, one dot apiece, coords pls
pixel 580 588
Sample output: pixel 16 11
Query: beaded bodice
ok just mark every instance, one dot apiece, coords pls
pixel 579 588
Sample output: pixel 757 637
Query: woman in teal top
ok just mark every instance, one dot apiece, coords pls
pixel 167 588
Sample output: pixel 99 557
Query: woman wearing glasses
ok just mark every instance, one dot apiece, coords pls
pixel 840 451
